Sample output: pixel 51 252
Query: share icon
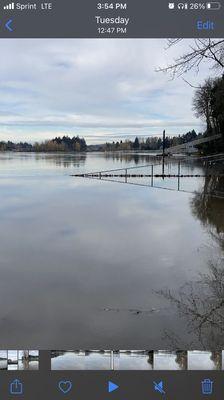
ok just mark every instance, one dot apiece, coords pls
pixel 158 387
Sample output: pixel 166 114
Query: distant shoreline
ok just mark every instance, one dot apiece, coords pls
pixel 81 152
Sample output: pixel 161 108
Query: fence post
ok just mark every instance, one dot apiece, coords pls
pixel 112 361
pixel 178 175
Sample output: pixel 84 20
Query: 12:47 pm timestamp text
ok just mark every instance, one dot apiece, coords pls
pixel 112 31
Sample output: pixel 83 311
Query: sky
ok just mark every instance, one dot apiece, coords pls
pixel 99 89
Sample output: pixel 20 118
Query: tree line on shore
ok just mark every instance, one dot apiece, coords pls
pixel 208 104
pixel 58 144
pixel 76 144
pixel 151 143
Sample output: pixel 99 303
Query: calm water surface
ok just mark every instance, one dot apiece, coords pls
pixel 73 361
pixel 203 361
pixel 101 361
pixel 83 262
pixel 133 361
pixel 164 360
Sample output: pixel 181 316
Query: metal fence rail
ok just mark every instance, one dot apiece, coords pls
pixel 127 173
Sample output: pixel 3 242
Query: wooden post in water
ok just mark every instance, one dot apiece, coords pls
pixel 112 361
pixel 164 139
pixel 178 175
pixel 126 175
pixel 152 171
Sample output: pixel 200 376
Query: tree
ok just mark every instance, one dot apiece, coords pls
pixel 200 50
pixel 217 105
pixel 77 147
pixel 208 103
pixel 136 144
pixel 202 103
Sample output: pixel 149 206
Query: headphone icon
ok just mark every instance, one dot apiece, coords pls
pixel 181 6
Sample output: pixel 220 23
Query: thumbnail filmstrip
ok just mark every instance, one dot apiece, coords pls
pixel 19 360
pixel 136 360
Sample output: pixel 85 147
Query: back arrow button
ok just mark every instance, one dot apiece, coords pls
pixel 8 25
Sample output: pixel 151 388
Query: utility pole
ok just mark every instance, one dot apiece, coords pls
pixel 164 138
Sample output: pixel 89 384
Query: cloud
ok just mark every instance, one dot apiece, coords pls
pixel 94 88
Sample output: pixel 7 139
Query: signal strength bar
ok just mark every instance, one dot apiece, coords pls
pixel 10 6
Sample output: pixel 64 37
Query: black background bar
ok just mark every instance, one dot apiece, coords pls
pixel 143 19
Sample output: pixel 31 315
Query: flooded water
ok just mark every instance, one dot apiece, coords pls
pixel 22 366
pixel 133 361
pixel 96 360
pixel 204 360
pixel 3 359
pixel 164 360
pixel 88 263
pixel 82 361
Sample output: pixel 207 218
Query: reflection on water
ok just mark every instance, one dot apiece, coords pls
pixel 3 359
pixel 81 360
pixel 201 302
pixel 167 360
pixel 3 364
pixel 101 360
pixel 134 360
pixel 22 366
pixel 204 360
pixel 85 259
pixel 45 160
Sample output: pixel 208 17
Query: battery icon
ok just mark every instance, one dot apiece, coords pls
pixel 213 5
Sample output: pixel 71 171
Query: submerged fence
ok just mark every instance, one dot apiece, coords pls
pixel 152 175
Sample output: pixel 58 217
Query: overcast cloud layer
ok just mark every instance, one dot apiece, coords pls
pixel 99 89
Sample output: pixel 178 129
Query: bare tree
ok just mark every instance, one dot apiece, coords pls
pixel 202 103
pixel 200 50
pixel 201 304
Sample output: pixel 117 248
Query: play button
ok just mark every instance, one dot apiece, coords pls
pixel 112 387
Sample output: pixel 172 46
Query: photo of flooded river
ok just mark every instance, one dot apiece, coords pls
pixel 204 360
pixel 166 360
pixel 81 360
pixel 102 360
pixel 90 263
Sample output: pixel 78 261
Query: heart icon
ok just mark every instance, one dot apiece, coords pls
pixel 65 386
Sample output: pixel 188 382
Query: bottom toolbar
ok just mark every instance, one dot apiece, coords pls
pixel 104 374
pixel 120 385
